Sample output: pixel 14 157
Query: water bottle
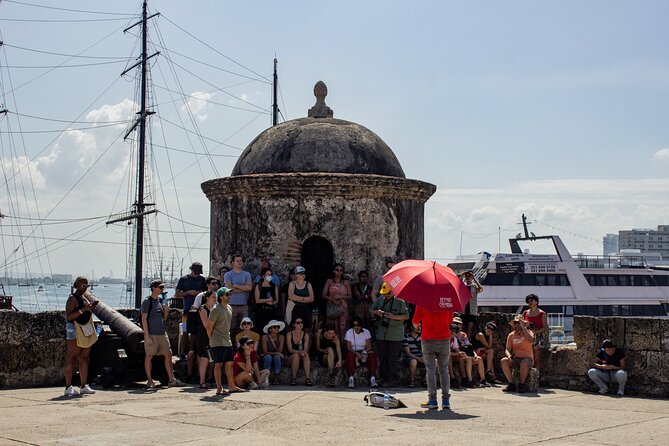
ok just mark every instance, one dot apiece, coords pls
pixel 300 346
pixel 386 401
pixel 364 356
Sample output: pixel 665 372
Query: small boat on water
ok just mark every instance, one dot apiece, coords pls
pixel 41 288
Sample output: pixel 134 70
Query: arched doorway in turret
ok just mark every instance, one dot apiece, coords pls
pixel 317 258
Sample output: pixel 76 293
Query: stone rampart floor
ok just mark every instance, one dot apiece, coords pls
pixel 281 415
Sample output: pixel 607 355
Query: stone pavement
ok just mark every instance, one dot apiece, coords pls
pixel 283 414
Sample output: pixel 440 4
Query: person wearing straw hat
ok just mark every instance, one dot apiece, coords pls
pixel 518 354
pixel 272 347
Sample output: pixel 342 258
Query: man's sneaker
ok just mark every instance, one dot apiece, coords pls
pixel 510 388
pixel 522 388
pixel 469 384
pixel 603 390
pixel 86 390
pixel 484 383
pixel 445 403
pixel 372 382
pixel 175 383
pixel 620 393
pixel 150 384
pixel 351 382
pixel 71 391
pixel 430 404
pixel 253 385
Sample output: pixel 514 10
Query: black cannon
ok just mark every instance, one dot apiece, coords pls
pixel 117 358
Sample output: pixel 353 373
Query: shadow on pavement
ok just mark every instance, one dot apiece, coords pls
pixel 434 415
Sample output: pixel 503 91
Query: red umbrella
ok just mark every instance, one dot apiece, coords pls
pixel 428 284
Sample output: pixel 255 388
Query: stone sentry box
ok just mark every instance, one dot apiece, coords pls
pixel 314 191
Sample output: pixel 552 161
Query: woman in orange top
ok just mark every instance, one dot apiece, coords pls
pixel 518 354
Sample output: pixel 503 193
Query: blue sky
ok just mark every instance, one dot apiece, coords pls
pixel 555 109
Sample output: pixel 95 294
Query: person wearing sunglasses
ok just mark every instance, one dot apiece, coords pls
pixel 246 326
pixel 245 371
pixel 358 342
pixel 301 294
pixel 337 294
pixel 297 344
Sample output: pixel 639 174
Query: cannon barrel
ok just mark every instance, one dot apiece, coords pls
pixel 132 335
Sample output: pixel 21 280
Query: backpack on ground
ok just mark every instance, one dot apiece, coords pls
pixel 376 400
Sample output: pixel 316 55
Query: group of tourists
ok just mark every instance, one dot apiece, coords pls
pixel 250 328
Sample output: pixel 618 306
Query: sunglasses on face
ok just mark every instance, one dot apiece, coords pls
pixel 248 343
pixel 246 323
pixel 338 270
pixel 356 325
pixel 298 322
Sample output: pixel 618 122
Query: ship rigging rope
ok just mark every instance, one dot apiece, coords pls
pixel 73 56
pixel 69 129
pixel 208 101
pixel 125 19
pixel 68 121
pixel 190 152
pixel 68 9
pixel 53 67
pixel 215 50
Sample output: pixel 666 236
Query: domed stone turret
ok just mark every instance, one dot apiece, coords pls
pixel 318 143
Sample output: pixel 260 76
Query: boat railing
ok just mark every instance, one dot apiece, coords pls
pixel 610 262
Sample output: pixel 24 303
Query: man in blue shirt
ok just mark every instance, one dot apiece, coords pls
pixel 241 283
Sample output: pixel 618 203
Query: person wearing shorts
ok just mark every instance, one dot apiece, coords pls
pixel 218 329
pixel 156 343
pixel 518 354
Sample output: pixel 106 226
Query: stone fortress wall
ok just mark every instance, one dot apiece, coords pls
pixel 32 350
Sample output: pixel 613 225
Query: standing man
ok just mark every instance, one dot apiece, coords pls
pixel 392 313
pixel 240 282
pixel 472 308
pixel 218 329
pixel 154 313
pixel 609 367
pixel 518 353
pixel 436 349
pixel 187 288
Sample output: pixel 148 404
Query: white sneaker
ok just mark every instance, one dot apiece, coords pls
pixel 71 391
pixel 372 382
pixel 266 382
pixel 86 390
pixel 620 393
pixel 150 384
pixel 351 382
pixel 175 383
pixel 253 385
pixel 603 390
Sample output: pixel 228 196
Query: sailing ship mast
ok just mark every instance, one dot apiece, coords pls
pixel 140 123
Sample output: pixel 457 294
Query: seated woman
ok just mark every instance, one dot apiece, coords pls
pixel 485 348
pixel 272 347
pixel 266 300
pixel 245 371
pixel 202 340
pixel 246 325
pixel 358 342
pixel 412 356
pixel 328 349
pixel 460 359
pixel 297 344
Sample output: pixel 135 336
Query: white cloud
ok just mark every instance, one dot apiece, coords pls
pixel 197 104
pixel 662 155
pixel 487 218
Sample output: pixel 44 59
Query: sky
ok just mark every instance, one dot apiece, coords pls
pixel 553 109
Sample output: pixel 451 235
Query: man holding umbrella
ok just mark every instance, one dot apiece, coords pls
pixel 437 292
pixel 392 312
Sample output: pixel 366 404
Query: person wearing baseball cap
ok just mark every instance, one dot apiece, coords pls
pixel 187 288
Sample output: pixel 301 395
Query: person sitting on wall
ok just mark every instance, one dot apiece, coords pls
pixel 484 347
pixel 609 366
pixel 246 326
pixel 413 355
pixel 358 342
pixel 297 344
pixel 328 349
pixel 518 354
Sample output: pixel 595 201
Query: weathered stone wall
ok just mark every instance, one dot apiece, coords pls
pixel 33 346
pixel 645 341
pixel 366 218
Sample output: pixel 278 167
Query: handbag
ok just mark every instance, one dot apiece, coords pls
pixel 289 311
pixel 333 310
pixel 86 334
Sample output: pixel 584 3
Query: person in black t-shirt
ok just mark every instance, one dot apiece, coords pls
pixel 608 367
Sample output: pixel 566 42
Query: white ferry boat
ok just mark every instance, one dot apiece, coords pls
pixel 566 285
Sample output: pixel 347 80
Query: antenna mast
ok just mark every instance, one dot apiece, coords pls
pixel 275 104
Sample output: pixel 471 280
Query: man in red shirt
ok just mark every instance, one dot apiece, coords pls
pixel 436 347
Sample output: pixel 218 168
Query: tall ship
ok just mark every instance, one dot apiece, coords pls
pixel 567 285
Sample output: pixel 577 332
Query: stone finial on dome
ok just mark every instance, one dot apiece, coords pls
pixel 320 109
